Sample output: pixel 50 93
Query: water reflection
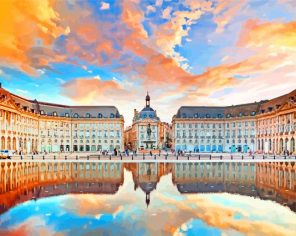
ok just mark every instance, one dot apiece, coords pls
pixel 159 198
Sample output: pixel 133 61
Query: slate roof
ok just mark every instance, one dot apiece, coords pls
pixel 50 109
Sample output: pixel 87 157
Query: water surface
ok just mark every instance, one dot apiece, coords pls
pixel 147 199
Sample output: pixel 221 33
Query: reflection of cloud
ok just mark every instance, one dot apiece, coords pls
pixel 32 226
pixel 169 211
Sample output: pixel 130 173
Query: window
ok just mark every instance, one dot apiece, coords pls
pixel 183 115
pixel 196 115
pixel 42 112
pixel 87 115
pixel 228 115
pixel 55 113
pixel 76 115
pixel 100 115
pixel 67 114
pixel 253 113
pixel 112 115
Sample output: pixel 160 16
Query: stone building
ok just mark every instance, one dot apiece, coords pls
pixel 147 132
pixel 263 127
pixel 30 126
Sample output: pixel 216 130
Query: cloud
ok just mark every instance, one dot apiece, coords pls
pixel 105 6
pixel 36 23
pixel 87 90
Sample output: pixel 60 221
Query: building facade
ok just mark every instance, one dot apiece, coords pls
pixel 32 126
pixel 147 132
pixel 263 127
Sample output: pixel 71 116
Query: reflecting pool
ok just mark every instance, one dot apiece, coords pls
pixel 95 198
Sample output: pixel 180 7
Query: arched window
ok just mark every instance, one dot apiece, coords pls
pixel 76 115
pixel 87 115
pixel 196 115
pixel 42 112
pixel 184 115
pixel 55 113
pixel 240 114
pixel 253 113
pixel 150 115
pixel 67 114
pixel 111 115
pixel 228 115
pixel 100 115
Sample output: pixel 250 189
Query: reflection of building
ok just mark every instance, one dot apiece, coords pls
pixel 277 181
pixel 147 131
pixel 20 182
pixel 267 126
pixel 30 125
pixel 215 177
pixel 147 175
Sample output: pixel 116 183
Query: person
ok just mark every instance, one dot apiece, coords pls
pixel 250 152
pixel 115 152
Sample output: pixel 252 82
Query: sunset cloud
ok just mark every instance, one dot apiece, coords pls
pixel 184 52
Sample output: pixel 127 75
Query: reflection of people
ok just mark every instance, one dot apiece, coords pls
pixel 149 130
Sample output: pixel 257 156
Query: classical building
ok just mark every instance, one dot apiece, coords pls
pixel 264 127
pixel 30 125
pixel 147 132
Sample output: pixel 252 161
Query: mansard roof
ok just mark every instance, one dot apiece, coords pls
pixel 53 109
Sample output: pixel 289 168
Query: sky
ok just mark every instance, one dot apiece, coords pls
pixel 186 52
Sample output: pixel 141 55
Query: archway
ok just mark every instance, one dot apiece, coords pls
pixel 292 145
pixel 2 143
pixel 14 143
pixel 9 143
pixel 281 145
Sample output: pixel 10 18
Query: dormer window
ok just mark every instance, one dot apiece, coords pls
pixel 100 115
pixel 196 115
pixel 253 113
pixel 240 114
pixel 42 112
pixel 228 115
pixel 87 115
pixel 25 108
pixel 219 116
pixel 76 115
pixel 183 115
pixel 262 111
pixel 67 115
pixel 151 116
pixel 55 113
pixel 269 108
pixel 208 116
pixel 111 115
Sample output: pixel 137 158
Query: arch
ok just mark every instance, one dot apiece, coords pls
pixel 292 145
pixel 8 143
pixel 281 145
pixel 14 143
pixel 286 144
pixel 2 143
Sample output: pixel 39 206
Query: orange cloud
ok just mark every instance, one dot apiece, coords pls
pixel 85 90
pixel 22 23
pixel 270 34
